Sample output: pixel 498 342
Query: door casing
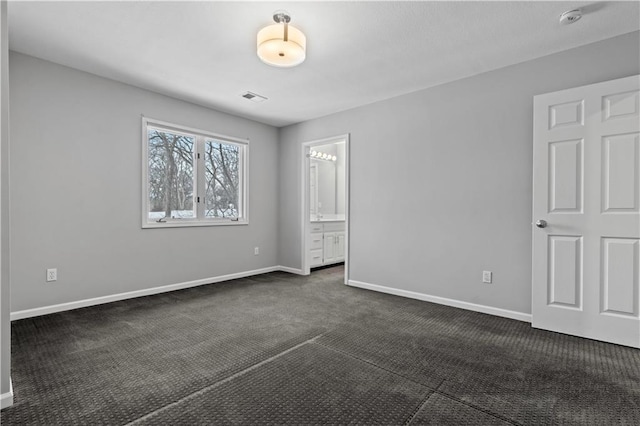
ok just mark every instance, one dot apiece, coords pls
pixel 305 223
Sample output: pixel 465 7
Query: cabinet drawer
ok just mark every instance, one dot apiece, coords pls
pixel 316 241
pixel 333 226
pixel 316 227
pixel 315 257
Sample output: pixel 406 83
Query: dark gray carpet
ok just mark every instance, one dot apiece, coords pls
pixel 284 349
pixel 311 384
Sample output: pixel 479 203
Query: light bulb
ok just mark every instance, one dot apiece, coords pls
pixel 334 158
pixel 324 156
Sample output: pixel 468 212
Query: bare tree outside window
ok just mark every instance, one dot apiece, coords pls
pixel 192 177
pixel 170 175
pixel 222 179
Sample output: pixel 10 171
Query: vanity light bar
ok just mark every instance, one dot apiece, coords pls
pixel 322 156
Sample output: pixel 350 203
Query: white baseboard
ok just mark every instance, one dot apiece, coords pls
pixel 6 399
pixel 520 316
pixel 28 313
pixel 290 270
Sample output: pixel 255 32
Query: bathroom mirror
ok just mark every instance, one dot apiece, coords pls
pixel 327 182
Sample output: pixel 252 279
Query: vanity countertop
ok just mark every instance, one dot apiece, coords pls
pixel 329 218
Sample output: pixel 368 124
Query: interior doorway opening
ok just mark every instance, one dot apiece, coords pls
pixel 325 204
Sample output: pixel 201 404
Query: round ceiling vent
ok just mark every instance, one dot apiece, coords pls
pixel 570 16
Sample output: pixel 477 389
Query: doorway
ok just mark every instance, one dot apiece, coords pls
pixel 325 204
pixel 586 206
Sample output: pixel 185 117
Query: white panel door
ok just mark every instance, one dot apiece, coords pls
pixel 586 211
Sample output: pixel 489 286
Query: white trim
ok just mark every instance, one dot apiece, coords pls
pixel 200 137
pixel 6 399
pixel 304 178
pixel 28 313
pixel 188 130
pixel 305 200
pixel 290 270
pixel 347 205
pixel 189 223
pixel 499 312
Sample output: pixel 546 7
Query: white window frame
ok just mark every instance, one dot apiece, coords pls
pixel 198 184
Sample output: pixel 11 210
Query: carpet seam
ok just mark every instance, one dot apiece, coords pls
pixel 222 381
pixel 490 413
pixel 378 366
pixel 417 410
pixel 434 391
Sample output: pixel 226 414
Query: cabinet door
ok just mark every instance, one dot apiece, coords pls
pixel 329 247
pixel 339 246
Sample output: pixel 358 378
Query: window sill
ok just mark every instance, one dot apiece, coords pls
pixel 192 223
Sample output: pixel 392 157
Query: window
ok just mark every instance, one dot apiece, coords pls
pixel 192 177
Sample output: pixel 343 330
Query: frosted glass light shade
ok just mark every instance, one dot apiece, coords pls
pixel 274 50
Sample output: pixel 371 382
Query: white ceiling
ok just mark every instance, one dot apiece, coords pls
pixel 357 52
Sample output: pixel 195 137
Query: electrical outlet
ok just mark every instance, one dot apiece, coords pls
pixel 256 251
pixel 52 274
pixel 487 276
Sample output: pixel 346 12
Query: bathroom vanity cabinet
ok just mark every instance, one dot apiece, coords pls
pixel 326 243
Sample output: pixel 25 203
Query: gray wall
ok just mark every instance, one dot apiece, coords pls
pixel 5 324
pixel 441 178
pixel 76 188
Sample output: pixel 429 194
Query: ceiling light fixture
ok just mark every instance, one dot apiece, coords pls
pixel 280 44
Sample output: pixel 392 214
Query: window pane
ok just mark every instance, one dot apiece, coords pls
pixel 222 166
pixel 170 175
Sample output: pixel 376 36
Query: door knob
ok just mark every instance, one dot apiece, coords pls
pixel 541 223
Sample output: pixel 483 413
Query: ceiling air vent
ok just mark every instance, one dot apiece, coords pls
pixel 254 97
